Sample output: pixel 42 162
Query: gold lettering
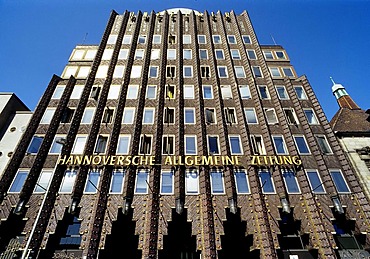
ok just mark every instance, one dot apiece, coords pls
pixel 168 161
pixel 119 160
pixel 216 160
pixel 77 160
pixel 296 160
pixel 287 160
pixel 69 160
pixel 105 159
pixel 236 160
pixel 152 160
pixel 207 160
pixel 96 160
pixel 61 161
pixel 112 160
pixel 253 160
pixel 189 160
pixel 128 160
pixel 197 160
pixel 278 160
pixel 86 160
pixel 135 160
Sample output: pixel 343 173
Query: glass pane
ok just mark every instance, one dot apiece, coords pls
pixel 339 181
pixel 128 116
pixel 151 91
pixel 190 145
pixel 117 182
pixel 148 116
pixel 57 146
pixel 191 182
pixel 188 92
pixel 79 145
pixel 315 182
pixel 235 145
pixel 48 115
pixel 18 181
pixel 141 184
pixel 35 145
pixel 58 92
pixel 213 145
pixel 189 116
pixel 279 145
pixel 123 145
pixel 68 181
pixel 92 182
pixel 217 182
pixel 241 182
pixel 291 182
pixel 302 146
pixel 251 116
pixel 244 92
pixel 167 182
pixel 266 182
pixel 43 182
pixel 207 92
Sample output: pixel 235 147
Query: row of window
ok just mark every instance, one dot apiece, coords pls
pixel 190 141
pixel 191 181
pixel 81 72
pixel 188 91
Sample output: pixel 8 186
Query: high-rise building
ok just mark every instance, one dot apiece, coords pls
pixel 180 136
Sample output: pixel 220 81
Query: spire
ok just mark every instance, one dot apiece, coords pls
pixel 343 98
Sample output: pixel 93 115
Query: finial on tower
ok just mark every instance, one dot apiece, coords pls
pixel 332 80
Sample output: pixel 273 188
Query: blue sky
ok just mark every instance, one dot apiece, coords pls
pixel 322 38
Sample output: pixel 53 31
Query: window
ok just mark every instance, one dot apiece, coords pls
pixel 216 39
pixel 191 181
pixel 210 115
pixel 300 92
pixel 145 145
pixel 275 72
pixel 171 54
pixel 250 115
pixel 266 182
pixel 57 145
pixel 231 39
pixel 128 115
pixel 339 181
pixel 244 92
pixel 323 144
pixel 235 145
pixel 92 182
pixel 217 182
pixel 156 39
pixel 171 71
pixel 123 144
pixel 126 39
pixel 136 72
pixel 48 115
pixel 83 72
pixel 188 71
pixel 155 54
pixel 251 54
pixel 205 71
pixel 207 92
pixel 90 54
pixel 18 181
pixel 279 144
pixel 169 115
pixel 235 54
pixel 95 91
pixel 189 115
pixel 67 115
pixel 311 117
pixel 116 185
pixel 239 72
pixel 222 71
pixel 315 181
pixel 186 39
pixel 170 91
pixel 151 92
pixel 107 54
pixel 290 116
pixel 43 182
pixel 213 147
pixel 203 54
pixel 241 180
pixel 118 71
pixel 68 181
pixel 35 144
pixel 123 53
pixel 79 145
pixel 301 144
pixel 132 92
pixel 77 91
pixel 102 71
pixel 187 54
pixel 71 237
pixel 70 71
pixel 148 117
pixel 280 54
pixel 291 182
pixel 171 39
pixel 108 115
pixel 168 145
pixel 190 144
pixel 268 54
pixel 141 182
pixel 288 71
pixel 141 39
pixel 202 39
pixel 114 92
pixel 88 116
pixel 226 92
pixel 230 115
pixel 258 147
pixel 167 182
pixel 188 91
pixel 246 39
pixel 78 54
pixel 139 54
pixel 219 54
pixel 153 71
pixel 58 92
pixel 101 144
pixel 283 95
pixel 257 71
pixel 264 93
pixel 271 116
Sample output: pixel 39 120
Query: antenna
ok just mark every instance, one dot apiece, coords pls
pixel 83 42
pixel 273 39
pixel 332 80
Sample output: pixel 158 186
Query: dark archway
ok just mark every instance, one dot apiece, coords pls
pixel 235 243
pixel 122 242
pixel 179 243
